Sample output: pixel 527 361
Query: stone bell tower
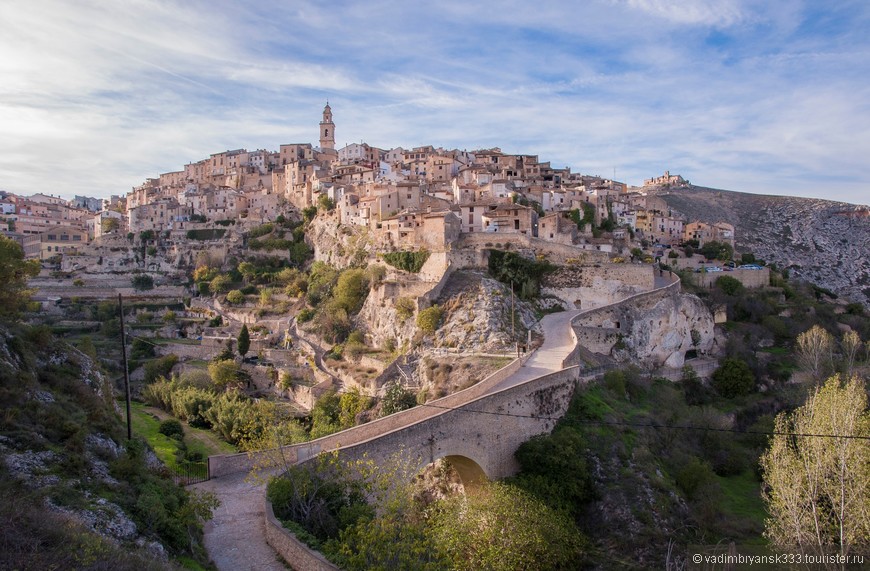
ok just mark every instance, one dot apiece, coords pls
pixel 327 130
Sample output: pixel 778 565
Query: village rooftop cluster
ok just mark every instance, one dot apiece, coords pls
pixel 423 197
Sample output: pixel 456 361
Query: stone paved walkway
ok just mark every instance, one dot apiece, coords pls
pixel 235 538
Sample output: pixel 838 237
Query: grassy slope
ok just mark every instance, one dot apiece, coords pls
pixel 146 421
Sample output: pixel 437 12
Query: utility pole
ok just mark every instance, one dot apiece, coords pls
pixel 513 313
pixel 514 320
pixel 126 371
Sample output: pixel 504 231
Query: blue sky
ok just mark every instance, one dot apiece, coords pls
pixel 769 97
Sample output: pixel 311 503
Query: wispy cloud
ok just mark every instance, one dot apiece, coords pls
pixel 97 96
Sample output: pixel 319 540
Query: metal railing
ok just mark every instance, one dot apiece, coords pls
pixel 189 473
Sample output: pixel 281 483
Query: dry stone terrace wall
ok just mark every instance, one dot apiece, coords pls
pixel 591 286
pixel 470 250
pixel 749 278
pixel 290 548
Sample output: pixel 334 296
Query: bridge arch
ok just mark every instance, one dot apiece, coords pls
pixel 470 472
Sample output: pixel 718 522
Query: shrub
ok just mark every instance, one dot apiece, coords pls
pixel 404 307
pixel 694 476
pixel 733 378
pixel 142 282
pixel 429 319
pixel 305 315
pixel 235 297
pixel 270 244
pixel 351 290
pixel 171 428
pixel 397 398
pixel 522 273
pixel 717 251
pixel 220 284
pixel 159 367
pixel 223 373
pixel 261 230
pixel 206 234
pixel 407 261
pixel 729 285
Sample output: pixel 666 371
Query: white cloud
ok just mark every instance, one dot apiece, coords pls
pixel 717 13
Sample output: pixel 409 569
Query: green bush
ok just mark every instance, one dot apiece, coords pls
pixel 396 399
pixel 407 261
pixel 693 477
pixel 733 378
pixel 220 284
pixel 405 307
pixel 717 251
pixel 206 234
pixel 159 367
pixel 235 297
pixel 729 285
pixel 260 231
pixel 142 282
pixel 270 244
pixel 429 319
pixel 351 290
pixel 171 428
pixel 521 273
pixel 305 315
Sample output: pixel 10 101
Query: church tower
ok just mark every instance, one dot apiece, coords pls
pixel 327 130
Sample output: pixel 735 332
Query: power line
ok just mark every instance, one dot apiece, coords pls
pixel 602 422
pixel 631 424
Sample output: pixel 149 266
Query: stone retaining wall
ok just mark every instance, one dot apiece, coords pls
pixel 749 278
pixel 602 337
pixel 556 253
pixel 290 548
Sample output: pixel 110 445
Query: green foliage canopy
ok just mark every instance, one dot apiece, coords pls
pixel 408 261
pixel 714 250
pixel 244 340
pixel 429 319
pixel 733 378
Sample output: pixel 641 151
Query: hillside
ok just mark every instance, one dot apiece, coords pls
pixel 74 493
pixel 821 241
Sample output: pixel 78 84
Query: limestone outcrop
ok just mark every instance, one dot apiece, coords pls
pixel 656 330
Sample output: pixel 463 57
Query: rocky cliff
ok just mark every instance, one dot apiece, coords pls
pixel 821 241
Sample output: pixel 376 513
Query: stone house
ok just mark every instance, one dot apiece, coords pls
pixel 60 240
pixel 556 228
pixel 510 218
pixel 704 232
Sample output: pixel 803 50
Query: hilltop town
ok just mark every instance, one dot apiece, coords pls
pixel 423 197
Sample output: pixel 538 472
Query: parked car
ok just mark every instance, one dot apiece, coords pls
pixel 750 267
